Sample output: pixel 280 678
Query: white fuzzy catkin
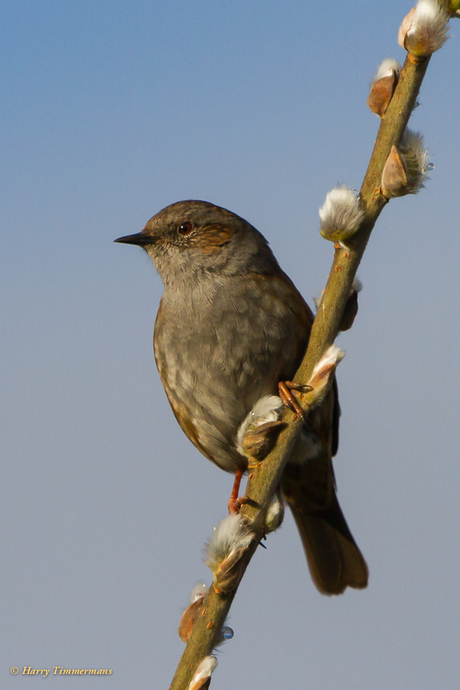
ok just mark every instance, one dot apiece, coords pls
pixel 266 409
pixel 424 29
pixel 203 672
pixel 407 167
pixel 333 356
pixel 386 68
pixel 415 157
pixel 341 214
pixel 275 513
pixel 383 86
pixel 231 536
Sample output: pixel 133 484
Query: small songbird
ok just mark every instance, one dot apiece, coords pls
pixel 230 327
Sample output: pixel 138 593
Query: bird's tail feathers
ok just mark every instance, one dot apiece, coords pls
pixel 333 556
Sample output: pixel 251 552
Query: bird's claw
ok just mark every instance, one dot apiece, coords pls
pixel 284 391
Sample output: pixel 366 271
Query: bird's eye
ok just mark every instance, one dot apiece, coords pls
pixel 185 228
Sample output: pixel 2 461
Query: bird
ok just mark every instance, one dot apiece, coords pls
pixel 230 327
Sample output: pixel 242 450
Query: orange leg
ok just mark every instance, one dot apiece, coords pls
pixel 235 503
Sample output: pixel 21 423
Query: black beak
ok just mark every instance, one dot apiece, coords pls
pixel 140 238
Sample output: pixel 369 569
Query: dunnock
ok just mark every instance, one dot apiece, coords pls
pixel 231 325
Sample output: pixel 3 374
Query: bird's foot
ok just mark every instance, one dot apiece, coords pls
pixel 285 389
pixel 235 502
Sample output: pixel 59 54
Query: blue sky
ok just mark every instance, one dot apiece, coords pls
pixel 111 111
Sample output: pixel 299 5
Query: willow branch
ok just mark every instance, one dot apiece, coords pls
pixel 346 261
pixel 264 480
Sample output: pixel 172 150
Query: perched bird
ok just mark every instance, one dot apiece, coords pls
pixel 230 327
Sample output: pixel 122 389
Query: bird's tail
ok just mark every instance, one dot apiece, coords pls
pixel 333 556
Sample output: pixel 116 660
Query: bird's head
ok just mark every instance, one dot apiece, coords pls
pixel 191 238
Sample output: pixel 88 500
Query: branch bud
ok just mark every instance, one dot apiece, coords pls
pixel 322 376
pixel 193 610
pixel 424 29
pixel 223 553
pixel 383 86
pixel 406 168
pixel 257 433
pixel 203 673
pixel 275 513
pixel 340 215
